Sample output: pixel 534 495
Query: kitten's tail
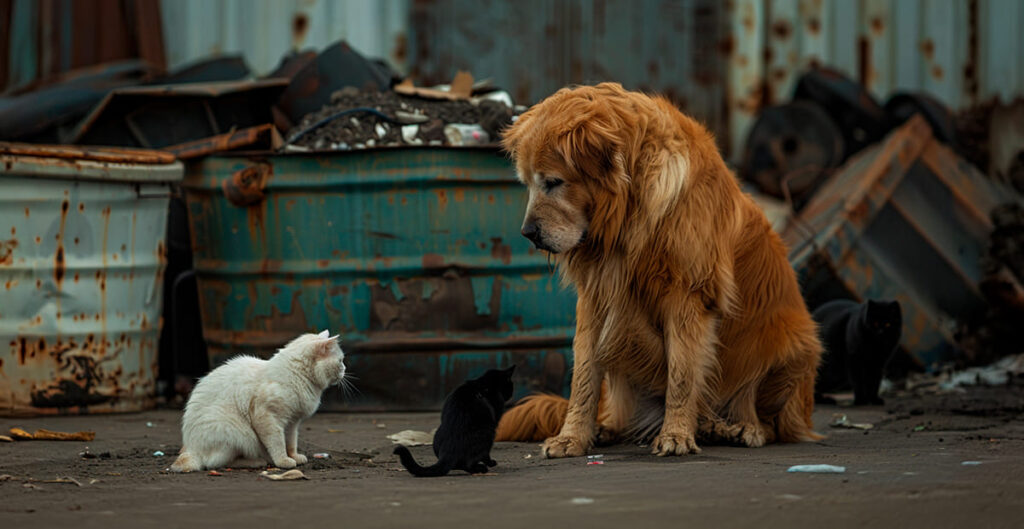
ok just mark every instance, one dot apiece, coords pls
pixel 441 468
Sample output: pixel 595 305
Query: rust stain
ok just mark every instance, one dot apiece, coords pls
pixel 81 207
pixel 928 49
pixel 26 213
pixel 877 25
pixel 501 251
pixel 442 198
pixel 937 72
pixel 7 251
pixel 59 266
pixel 814 25
pixel 781 29
pixel 460 195
pixel 433 260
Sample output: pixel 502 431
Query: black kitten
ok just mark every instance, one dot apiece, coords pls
pixel 469 420
pixel 859 339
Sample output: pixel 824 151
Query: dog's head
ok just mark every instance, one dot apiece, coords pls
pixel 569 152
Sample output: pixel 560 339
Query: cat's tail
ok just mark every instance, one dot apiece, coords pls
pixel 186 462
pixel 441 468
pixel 535 418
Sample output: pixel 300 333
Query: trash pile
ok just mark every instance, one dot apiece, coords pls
pixel 870 191
pixel 358 119
pixel 333 100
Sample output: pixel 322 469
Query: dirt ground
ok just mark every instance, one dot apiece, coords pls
pixel 907 471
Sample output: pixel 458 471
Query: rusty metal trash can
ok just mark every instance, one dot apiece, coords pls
pixel 81 266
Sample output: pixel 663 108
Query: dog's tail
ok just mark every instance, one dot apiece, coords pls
pixel 794 421
pixel 535 418
pixel 441 468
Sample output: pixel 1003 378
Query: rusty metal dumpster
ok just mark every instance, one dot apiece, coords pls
pixel 413 255
pixel 81 265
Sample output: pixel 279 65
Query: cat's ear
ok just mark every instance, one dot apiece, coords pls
pixel 325 348
pixel 324 335
pixel 511 369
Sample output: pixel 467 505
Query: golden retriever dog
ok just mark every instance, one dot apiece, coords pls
pixel 689 319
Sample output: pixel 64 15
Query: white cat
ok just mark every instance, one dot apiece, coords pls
pixel 247 411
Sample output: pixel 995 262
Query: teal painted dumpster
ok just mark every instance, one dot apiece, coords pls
pixel 413 255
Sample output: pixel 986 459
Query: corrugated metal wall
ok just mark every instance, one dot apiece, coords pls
pixel 265 30
pixel 961 51
pixel 41 39
pixel 534 47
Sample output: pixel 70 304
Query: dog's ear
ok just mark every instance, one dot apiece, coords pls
pixel 591 147
pixel 513 135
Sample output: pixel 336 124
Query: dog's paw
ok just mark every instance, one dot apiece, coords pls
pixel 606 436
pixel 716 430
pixel 299 458
pixel 674 444
pixel 285 462
pixel 563 446
pixel 751 436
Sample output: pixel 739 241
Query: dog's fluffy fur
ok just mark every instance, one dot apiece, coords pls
pixel 688 312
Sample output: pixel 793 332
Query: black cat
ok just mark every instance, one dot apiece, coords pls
pixel 859 339
pixel 469 420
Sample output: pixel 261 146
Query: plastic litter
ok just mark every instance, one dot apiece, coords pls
pixel 460 134
pixel 214 473
pixel 970 463
pixel 158 453
pixel 291 475
pixel 817 469
pixel 581 501
pixel 5 439
pixel 595 459
pixel 149 425
pixel 840 420
pixel 321 455
pixel 412 438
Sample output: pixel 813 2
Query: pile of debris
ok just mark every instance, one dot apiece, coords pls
pixel 869 192
pixel 358 119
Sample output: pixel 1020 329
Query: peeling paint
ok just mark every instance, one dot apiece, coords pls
pixel 424 290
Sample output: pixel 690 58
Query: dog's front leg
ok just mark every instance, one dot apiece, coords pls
pixel 577 435
pixel 689 350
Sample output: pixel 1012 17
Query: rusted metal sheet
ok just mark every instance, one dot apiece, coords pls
pixel 43 111
pixel 44 38
pixel 413 255
pixel 261 137
pixel 198 28
pixel 106 154
pixel 160 116
pixel 906 219
pixel 963 52
pixel 81 263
